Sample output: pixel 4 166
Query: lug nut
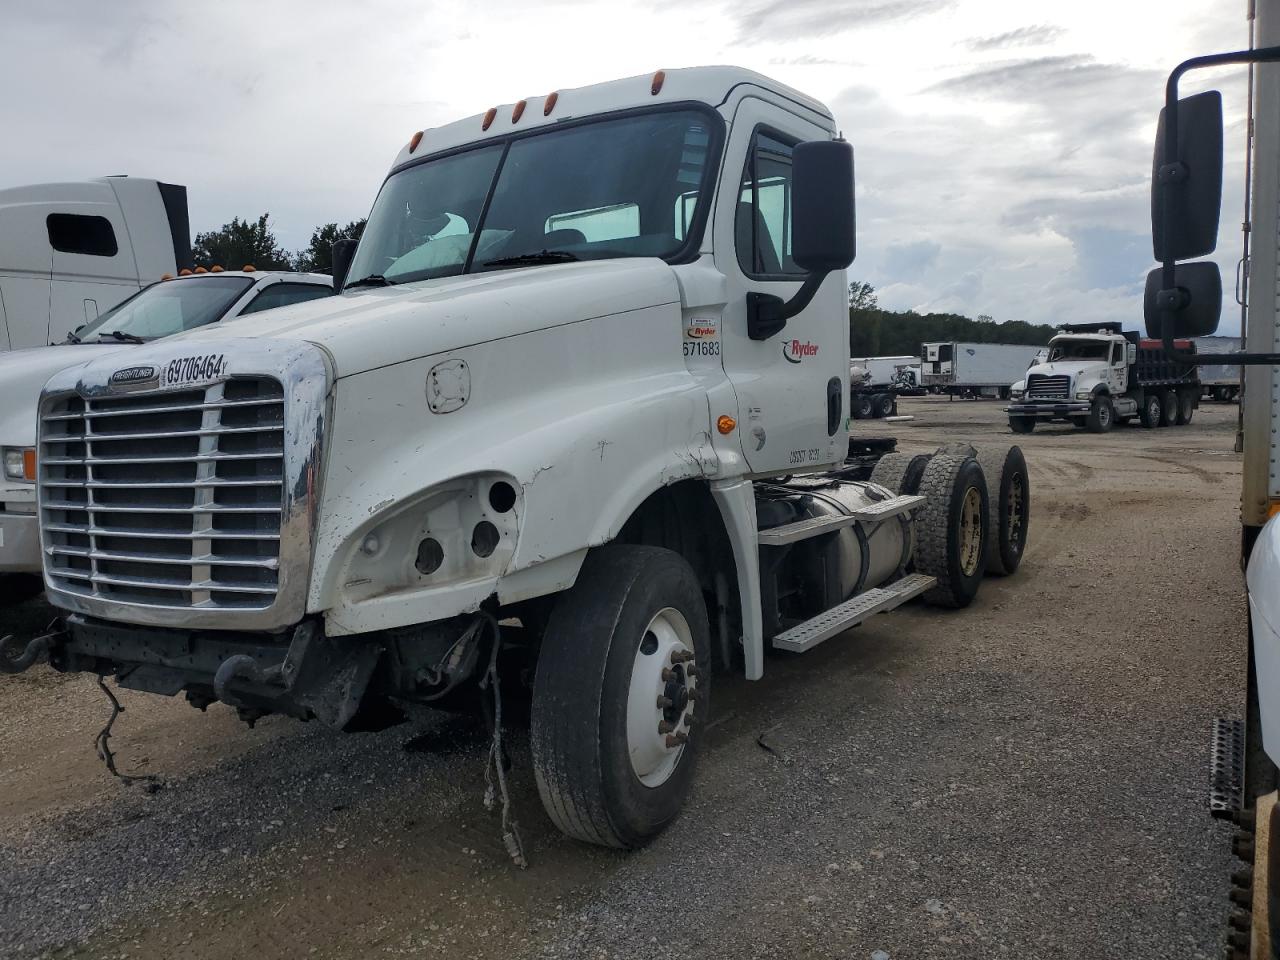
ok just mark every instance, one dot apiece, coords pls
pixel 676 739
pixel 691 670
pixel 664 702
pixel 665 727
pixel 681 656
pixel 693 695
pixel 668 674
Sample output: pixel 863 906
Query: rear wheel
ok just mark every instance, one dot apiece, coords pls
pixel 1186 408
pixel 1022 424
pixel 1149 412
pixel 623 671
pixel 1168 408
pixel 884 405
pixel 1101 415
pixel 951 529
pixel 900 472
pixel 862 408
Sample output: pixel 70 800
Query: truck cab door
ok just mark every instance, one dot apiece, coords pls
pixel 792 389
pixel 1118 371
pixel 93 267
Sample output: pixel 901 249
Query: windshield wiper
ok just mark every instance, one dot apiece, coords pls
pixel 373 280
pixel 542 256
pixel 123 337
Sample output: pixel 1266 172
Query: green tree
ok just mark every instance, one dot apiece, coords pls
pixel 318 255
pixel 241 243
pixel 862 296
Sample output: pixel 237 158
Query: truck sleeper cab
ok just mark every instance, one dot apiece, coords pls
pixel 587 371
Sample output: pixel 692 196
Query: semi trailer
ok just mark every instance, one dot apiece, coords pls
pixel 1099 374
pixel 1221 381
pixel 579 408
pixel 973 369
pixel 72 251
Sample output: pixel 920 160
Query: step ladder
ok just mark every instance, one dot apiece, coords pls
pixel 1226 767
pixel 807 635
pixel 815 526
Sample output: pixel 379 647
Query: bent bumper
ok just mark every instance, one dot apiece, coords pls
pixel 1048 410
pixel 19 543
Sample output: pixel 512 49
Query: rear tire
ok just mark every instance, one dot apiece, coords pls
pixel 1009 498
pixel 1168 408
pixel 1022 424
pixel 900 472
pixel 884 405
pixel 1186 408
pixel 1149 412
pixel 603 775
pixel 951 529
pixel 1102 415
pixel 862 408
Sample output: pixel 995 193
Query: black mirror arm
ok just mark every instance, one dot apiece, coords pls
pixel 1172 298
pixel 767 314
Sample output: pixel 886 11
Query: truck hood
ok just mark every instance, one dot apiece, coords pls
pixel 24 372
pixel 378 326
pixel 1075 369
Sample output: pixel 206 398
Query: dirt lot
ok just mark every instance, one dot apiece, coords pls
pixel 1024 778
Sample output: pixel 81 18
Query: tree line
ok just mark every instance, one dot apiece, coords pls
pixel 253 243
pixel 874 332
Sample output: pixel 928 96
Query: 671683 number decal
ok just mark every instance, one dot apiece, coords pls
pixel 702 348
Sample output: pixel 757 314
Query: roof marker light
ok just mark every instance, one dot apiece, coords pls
pixel 550 103
pixel 517 111
pixel 184 272
pixel 488 118
pixel 414 141
pixel 215 269
pixel 166 276
pixel 659 79
pixel 248 268
pixel 201 270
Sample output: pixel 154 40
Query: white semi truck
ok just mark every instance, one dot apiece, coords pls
pixel 1098 374
pixel 587 372
pixel 160 310
pixel 1184 299
pixel 72 251
pixel 973 369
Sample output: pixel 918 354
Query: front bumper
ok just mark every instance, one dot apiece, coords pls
pixel 1048 409
pixel 19 543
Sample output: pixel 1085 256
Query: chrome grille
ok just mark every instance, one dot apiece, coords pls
pixel 1041 387
pixel 166 499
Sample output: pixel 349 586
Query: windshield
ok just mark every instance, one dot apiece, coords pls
pixel 627 187
pixel 168 307
pixel 1079 350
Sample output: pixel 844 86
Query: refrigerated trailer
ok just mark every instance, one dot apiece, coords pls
pixel 1220 381
pixel 982 369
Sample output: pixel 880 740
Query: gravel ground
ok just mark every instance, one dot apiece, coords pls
pixel 1024 778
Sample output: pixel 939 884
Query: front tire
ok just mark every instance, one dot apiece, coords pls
pixel 952 529
pixel 626 649
pixel 1022 424
pixel 1102 415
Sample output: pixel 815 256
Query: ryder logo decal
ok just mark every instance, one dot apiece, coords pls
pixel 793 351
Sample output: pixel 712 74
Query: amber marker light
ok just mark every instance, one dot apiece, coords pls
pixel 517 111
pixel 414 141
pixel 488 118
pixel 29 464
pixel 249 268
pixel 166 276
pixel 726 423
pixel 215 269
pixel 659 79
pixel 184 272
pixel 201 270
pixel 550 103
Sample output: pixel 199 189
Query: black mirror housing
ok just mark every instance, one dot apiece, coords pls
pixel 1185 223
pixel 1195 301
pixel 343 251
pixel 822 231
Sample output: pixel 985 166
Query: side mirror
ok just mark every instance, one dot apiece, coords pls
pixel 822 212
pixel 1131 353
pixel 1195 301
pixel 822 230
pixel 1186 190
pixel 342 251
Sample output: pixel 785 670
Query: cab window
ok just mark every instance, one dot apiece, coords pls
pixel 762 226
pixel 283 294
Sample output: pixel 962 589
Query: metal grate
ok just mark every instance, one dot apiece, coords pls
pixel 1041 387
pixel 170 499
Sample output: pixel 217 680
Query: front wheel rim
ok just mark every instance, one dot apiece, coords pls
pixel 661 697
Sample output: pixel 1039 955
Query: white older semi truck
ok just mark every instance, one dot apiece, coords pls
pixel 72 251
pixel 1184 299
pixel 588 371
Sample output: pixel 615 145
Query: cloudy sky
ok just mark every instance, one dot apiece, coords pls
pixel 1003 148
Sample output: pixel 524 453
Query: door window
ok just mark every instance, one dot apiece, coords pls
pixel 77 233
pixel 762 225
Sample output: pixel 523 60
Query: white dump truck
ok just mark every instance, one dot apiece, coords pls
pixel 1099 374
pixel 586 374
pixel 160 310
pixel 72 251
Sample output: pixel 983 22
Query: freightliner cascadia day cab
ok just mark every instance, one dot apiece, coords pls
pixel 1098 374
pixel 160 310
pixel 72 251
pixel 587 372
